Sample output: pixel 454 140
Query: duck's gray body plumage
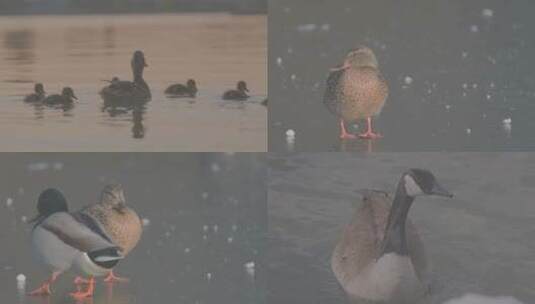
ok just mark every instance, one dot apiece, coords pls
pixel 63 239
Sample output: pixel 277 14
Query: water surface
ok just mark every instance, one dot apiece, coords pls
pixel 206 213
pixel 217 50
pixel 458 72
pixel 480 241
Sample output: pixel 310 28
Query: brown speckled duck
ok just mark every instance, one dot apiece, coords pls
pixel 356 90
pixel 38 95
pixel 121 223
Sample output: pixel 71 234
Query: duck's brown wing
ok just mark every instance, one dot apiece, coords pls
pixel 330 98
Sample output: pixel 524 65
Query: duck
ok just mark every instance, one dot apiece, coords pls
pixel 356 90
pixel 120 222
pixel 61 240
pixel 136 90
pixel 180 90
pixel 239 93
pixel 380 255
pixel 38 95
pixel 66 98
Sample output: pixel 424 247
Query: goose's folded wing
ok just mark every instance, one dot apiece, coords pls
pixel 75 233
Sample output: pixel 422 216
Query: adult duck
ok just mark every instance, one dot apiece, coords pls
pixel 38 95
pixel 61 240
pixel 239 94
pixel 180 90
pixel 120 222
pixel 380 256
pixel 356 90
pixel 136 90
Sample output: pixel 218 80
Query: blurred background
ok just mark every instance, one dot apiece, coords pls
pixel 129 6
pixel 205 219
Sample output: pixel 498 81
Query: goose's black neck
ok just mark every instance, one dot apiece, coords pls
pixel 395 237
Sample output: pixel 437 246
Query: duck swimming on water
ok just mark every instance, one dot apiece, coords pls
pixel 380 256
pixel 136 90
pixel 239 94
pixel 356 90
pixel 38 95
pixel 66 98
pixel 180 90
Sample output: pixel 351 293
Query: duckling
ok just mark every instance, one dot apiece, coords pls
pixel 180 90
pixel 114 79
pixel 380 255
pixel 38 95
pixel 238 94
pixel 356 90
pixel 136 90
pixel 61 240
pixel 121 223
pixel 65 98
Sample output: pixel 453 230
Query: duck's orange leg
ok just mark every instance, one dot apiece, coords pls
pixel 44 289
pixel 343 132
pixel 110 278
pixel 369 134
pixel 79 294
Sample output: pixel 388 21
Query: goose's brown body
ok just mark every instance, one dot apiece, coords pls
pixel 359 248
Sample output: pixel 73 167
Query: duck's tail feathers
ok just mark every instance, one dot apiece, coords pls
pixel 107 257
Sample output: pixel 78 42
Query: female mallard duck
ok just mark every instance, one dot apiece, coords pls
pixel 38 95
pixel 380 255
pixel 121 223
pixel 61 239
pixel 238 94
pixel 356 90
pixel 180 90
pixel 136 90
pixel 66 97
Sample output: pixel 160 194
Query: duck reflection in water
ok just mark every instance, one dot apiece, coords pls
pixel 121 109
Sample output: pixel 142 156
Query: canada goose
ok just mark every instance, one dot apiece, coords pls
pixel 121 223
pixel 61 239
pixel 38 95
pixel 356 90
pixel 136 90
pixel 66 97
pixel 378 259
pixel 180 90
pixel 239 93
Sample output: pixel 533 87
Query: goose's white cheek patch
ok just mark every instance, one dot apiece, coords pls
pixel 411 187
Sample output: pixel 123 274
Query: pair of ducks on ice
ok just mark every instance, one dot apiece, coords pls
pixel 135 90
pixel 380 255
pixel 93 239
